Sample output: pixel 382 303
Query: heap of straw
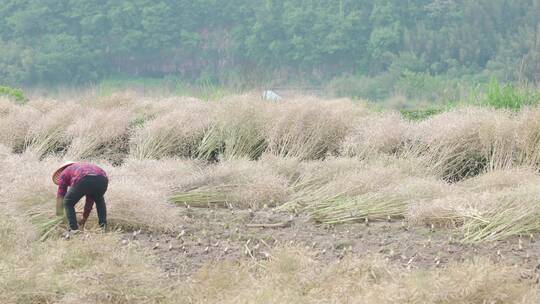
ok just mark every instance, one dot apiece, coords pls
pixel 345 178
pixel 450 144
pixel 101 133
pixel 241 184
pixel 236 134
pixel 48 135
pixel 387 203
pixel 375 135
pixel 509 213
pixel 309 130
pixel 218 196
pixel 174 134
pixel 46 224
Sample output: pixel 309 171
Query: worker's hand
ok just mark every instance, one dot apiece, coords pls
pixel 59 207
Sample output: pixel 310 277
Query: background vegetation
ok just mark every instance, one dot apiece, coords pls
pixel 372 48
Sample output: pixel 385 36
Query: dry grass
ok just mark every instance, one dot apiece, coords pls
pixel 138 193
pixel 507 213
pixel 241 184
pixel 175 134
pixel 450 144
pixel 49 134
pixel 498 139
pixel 292 275
pixel 89 268
pixel 456 144
pixel 98 134
pixel 464 142
pixel 376 134
pixel 387 203
pixel 468 197
pixel 4 152
pixel 237 133
pixel 15 121
pixel 491 207
pixel 446 212
pixel 320 181
pixel 396 169
pixel 528 138
pixel 484 217
pixel 310 129
pixel 501 179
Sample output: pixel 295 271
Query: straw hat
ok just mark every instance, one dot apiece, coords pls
pixel 56 174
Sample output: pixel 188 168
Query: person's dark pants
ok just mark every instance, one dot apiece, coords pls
pixel 93 186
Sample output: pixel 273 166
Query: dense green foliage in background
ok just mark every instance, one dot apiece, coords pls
pixel 252 41
pixel 14 94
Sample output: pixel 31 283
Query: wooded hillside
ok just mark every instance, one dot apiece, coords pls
pixel 77 41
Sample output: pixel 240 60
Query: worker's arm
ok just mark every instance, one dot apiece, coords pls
pixel 59 206
pixel 62 189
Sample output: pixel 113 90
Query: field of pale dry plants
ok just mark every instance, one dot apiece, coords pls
pixel 466 178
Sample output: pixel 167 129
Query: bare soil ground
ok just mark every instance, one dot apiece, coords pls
pixel 212 235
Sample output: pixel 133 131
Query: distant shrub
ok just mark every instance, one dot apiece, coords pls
pixel 508 97
pixel 432 88
pixel 15 94
pixel 420 114
pixel 412 85
pixel 372 88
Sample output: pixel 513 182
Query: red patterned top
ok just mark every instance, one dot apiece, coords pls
pixel 72 175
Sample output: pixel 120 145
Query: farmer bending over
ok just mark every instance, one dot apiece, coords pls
pixel 83 179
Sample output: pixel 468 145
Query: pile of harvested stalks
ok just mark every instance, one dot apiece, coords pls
pixel 510 213
pixel 385 204
pixel 218 196
pixel 45 223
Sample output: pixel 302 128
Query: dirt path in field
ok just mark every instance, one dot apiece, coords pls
pixel 208 236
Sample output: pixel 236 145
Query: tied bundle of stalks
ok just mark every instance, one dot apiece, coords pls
pixel 528 138
pixel 443 212
pixel 375 135
pixel 313 179
pixel 501 180
pixel 343 177
pixel 498 139
pixel 387 203
pixel 310 129
pixel 508 213
pixel 450 144
pixel 47 225
pixel 49 135
pixel 15 121
pixel 307 186
pixel 237 132
pixel 241 184
pixel 490 207
pixel 175 134
pixel 209 196
pixel 103 134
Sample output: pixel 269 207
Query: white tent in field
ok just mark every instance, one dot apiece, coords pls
pixel 271 95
